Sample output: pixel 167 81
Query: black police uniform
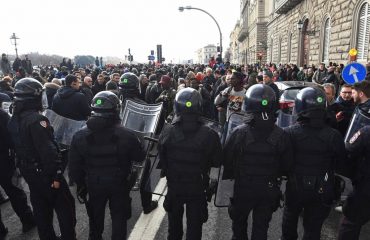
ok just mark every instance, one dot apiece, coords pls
pixel 3 229
pixel 318 151
pixel 129 89
pixel 101 158
pixel 356 209
pixel 187 151
pixel 39 163
pixel 18 198
pixel 256 155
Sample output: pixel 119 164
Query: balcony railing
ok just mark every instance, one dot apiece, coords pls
pixel 284 6
pixel 243 34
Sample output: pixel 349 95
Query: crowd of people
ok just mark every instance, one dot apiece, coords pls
pixel 256 155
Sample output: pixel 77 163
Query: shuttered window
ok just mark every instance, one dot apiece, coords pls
pixel 326 41
pixel 363 32
pixel 289 57
pixel 272 50
pixel 279 52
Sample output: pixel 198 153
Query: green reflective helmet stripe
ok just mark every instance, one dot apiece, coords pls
pixel 125 80
pixel 264 102
pixel 99 102
pixel 188 104
pixel 320 100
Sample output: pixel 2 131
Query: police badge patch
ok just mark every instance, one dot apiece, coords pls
pixel 355 136
pixel 44 124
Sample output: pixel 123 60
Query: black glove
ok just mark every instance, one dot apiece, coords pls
pixel 82 193
pixel 212 188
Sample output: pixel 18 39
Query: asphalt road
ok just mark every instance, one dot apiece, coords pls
pixel 154 225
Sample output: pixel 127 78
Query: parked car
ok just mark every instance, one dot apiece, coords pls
pixel 288 92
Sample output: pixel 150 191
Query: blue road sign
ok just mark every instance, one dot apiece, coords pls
pixel 151 58
pixel 354 72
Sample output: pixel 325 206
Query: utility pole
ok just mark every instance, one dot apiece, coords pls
pixel 13 39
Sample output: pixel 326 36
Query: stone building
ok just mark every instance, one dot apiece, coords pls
pixel 235 46
pixel 203 55
pixel 309 32
pixel 304 32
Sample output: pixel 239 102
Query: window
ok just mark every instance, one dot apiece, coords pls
pixel 362 43
pixel 279 51
pixel 289 54
pixel 326 41
pixel 272 51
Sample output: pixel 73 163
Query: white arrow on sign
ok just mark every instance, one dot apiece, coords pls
pixel 353 71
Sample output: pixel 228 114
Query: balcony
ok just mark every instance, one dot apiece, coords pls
pixel 284 6
pixel 243 34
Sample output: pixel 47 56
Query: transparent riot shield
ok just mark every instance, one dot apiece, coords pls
pixel 143 120
pixel 285 120
pixel 225 187
pixel 359 119
pixel 6 106
pixel 64 128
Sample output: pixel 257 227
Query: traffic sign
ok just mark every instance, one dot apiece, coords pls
pixel 151 58
pixel 354 72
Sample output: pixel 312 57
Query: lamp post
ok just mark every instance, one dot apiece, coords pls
pixel 181 9
pixel 13 39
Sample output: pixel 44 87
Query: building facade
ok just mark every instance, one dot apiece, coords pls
pixel 305 32
pixel 309 32
pixel 203 55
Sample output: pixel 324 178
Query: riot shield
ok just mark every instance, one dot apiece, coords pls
pixel 143 120
pixel 225 187
pixel 6 106
pixel 359 119
pixel 64 128
pixel 285 120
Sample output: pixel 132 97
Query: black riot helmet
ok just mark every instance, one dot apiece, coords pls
pixel 260 98
pixel 105 104
pixel 188 100
pixel 28 89
pixel 310 99
pixel 129 81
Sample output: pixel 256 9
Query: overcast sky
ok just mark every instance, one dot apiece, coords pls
pixel 110 27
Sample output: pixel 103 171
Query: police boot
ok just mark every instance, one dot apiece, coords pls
pixel 28 224
pixel 153 205
pixel 3 231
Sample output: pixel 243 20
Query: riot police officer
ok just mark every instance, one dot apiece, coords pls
pixel 17 196
pixel 356 209
pixel 257 154
pixel 39 162
pixel 187 151
pixel 101 157
pixel 129 88
pixel 318 151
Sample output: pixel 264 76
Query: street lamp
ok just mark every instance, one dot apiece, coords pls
pixel 306 32
pixel 13 39
pixel 300 25
pixel 181 9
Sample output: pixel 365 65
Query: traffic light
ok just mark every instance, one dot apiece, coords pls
pixel 163 59
pixel 159 53
pixel 130 58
